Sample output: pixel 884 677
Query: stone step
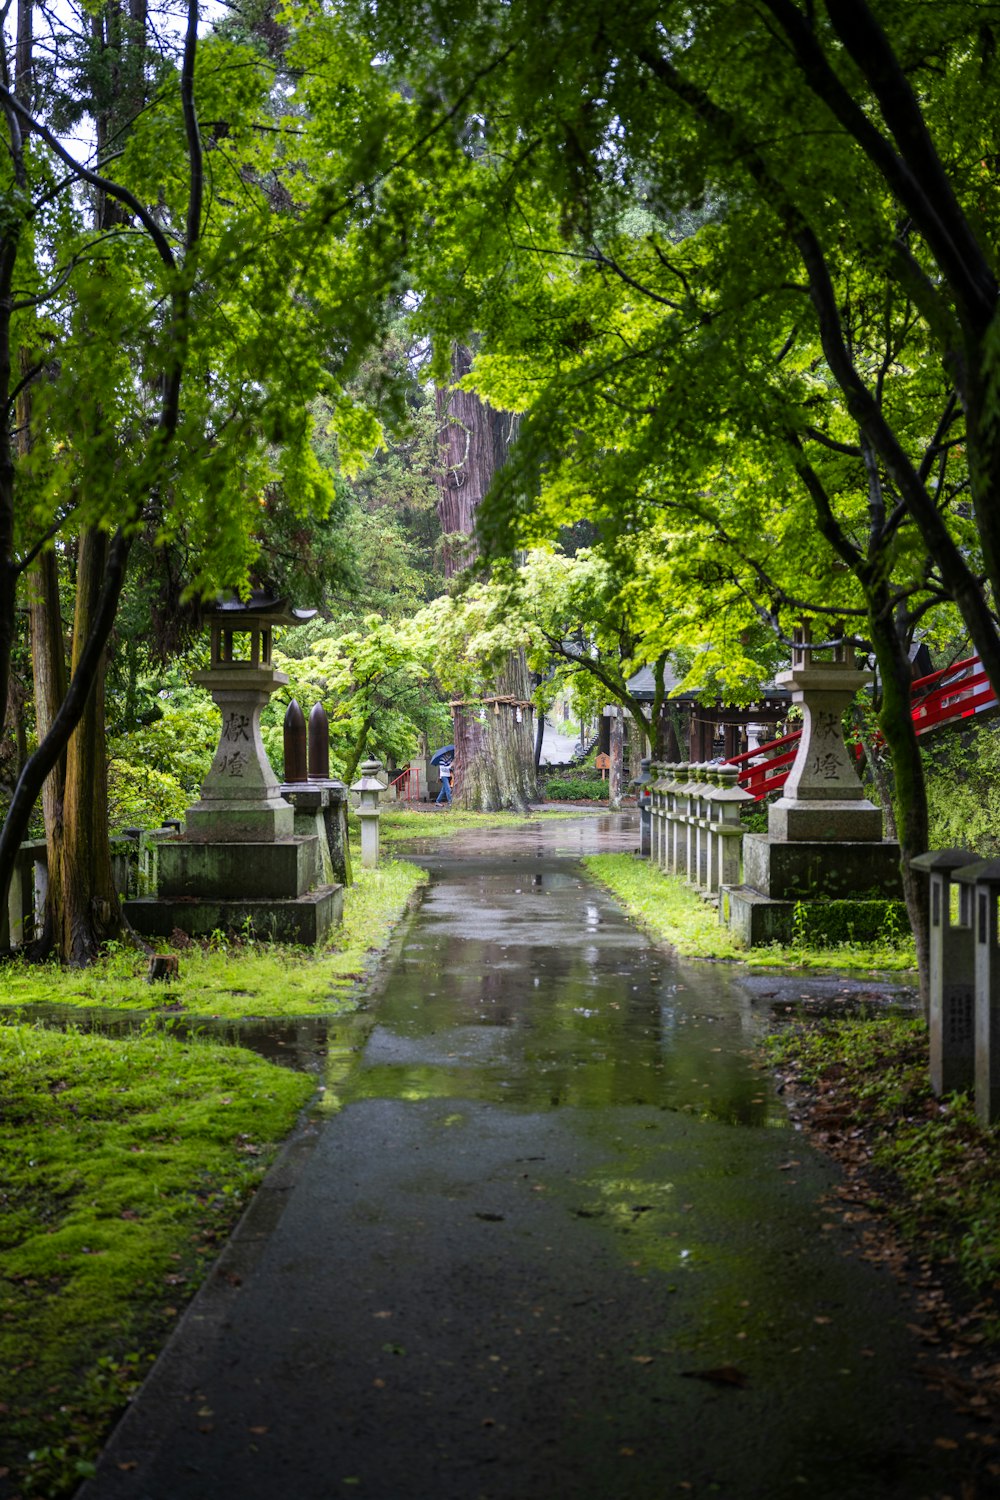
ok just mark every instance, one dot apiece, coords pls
pixel 284 869
pixel 306 920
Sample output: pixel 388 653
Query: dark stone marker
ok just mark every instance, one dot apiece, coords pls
pixel 295 744
pixel 319 744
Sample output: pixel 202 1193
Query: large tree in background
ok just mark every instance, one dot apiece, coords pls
pixel 494 743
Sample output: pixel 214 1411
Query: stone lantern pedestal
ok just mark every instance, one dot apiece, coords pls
pixel 240 862
pixel 824 841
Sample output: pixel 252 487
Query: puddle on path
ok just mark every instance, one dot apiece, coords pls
pixel 521 982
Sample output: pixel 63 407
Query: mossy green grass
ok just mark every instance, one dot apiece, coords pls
pixel 124 1165
pixel 673 913
pixel 229 978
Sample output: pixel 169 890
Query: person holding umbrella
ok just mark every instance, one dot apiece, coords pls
pixel 444 795
pixel 443 760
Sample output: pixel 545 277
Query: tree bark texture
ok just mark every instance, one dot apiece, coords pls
pixel 88 912
pixel 494 752
pixel 48 667
pixel 910 800
pixel 617 743
pixel 497 768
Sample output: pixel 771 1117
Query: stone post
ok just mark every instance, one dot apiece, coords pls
pixel 643 799
pixel 699 826
pixel 952 972
pixel 368 789
pixel 337 835
pixel 729 830
pixel 675 782
pixel 984 879
pixel 617 753
pixel 685 801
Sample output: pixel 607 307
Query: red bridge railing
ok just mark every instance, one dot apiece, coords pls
pixel 939 700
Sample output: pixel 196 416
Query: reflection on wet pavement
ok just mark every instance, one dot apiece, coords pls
pixel 523 982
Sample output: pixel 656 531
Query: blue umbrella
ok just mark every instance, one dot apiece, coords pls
pixel 440 755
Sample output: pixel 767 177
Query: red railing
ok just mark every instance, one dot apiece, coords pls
pixel 407 784
pixel 942 698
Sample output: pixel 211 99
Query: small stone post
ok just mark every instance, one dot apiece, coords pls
pixel 643 799
pixel 368 789
pixel 675 783
pixel 984 879
pixel 952 972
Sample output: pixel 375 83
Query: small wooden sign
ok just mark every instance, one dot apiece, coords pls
pixel 603 763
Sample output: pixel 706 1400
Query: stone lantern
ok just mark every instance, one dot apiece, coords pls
pixel 241 863
pixel 824 837
pixel 369 789
pixel 241 796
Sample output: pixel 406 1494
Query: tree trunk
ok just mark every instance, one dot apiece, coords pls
pixel 87 910
pixel 617 742
pixel 494 753
pixel 497 769
pixel 910 791
pixel 48 663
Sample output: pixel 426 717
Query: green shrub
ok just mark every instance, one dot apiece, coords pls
pixel 819 924
pixel 576 790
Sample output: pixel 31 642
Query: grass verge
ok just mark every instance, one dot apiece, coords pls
pixel 673 913
pixel 125 1164
pixel 229 978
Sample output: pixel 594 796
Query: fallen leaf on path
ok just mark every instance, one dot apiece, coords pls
pixel 720 1375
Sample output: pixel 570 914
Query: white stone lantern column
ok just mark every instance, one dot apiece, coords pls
pixel 368 788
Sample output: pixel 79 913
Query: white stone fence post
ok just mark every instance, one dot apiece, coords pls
pixel 695 816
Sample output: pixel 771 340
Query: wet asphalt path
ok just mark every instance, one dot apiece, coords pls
pixel 556 1237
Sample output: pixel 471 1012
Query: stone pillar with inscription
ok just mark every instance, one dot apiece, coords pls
pixel 983 880
pixel 240 863
pixel 824 839
pixel 952 978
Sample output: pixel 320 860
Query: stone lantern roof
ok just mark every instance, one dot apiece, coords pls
pixel 256 618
